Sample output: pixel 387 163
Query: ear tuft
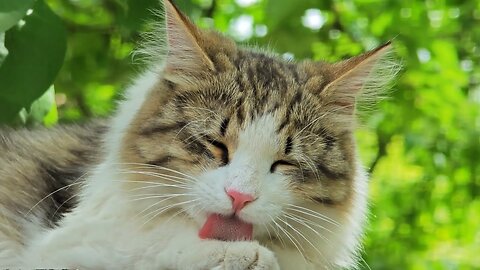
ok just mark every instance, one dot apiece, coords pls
pixel 173 46
pixel 362 78
pixel 185 56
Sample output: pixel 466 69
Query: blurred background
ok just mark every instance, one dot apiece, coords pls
pixel 68 60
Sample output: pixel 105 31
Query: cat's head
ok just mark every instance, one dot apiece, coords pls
pixel 226 131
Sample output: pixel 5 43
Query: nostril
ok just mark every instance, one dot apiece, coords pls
pixel 239 199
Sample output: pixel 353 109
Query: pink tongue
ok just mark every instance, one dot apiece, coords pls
pixel 226 228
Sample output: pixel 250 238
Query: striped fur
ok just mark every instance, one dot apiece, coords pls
pixel 208 116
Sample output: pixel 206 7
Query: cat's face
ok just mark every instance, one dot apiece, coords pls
pixel 233 132
pixel 256 128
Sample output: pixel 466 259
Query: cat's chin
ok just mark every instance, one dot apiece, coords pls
pixel 226 228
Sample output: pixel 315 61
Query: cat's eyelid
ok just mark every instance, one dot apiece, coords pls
pixel 281 162
pixel 284 162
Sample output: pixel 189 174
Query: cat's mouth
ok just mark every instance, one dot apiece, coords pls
pixel 226 228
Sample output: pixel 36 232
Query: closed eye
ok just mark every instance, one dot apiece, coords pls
pixel 281 164
pixel 220 151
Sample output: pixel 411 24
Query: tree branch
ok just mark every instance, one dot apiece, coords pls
pixel 382 142
pixel 211 10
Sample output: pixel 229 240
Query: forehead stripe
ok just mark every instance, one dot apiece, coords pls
pixel 224 126
pixel 331 174
pixel 288 146
pixel 160 128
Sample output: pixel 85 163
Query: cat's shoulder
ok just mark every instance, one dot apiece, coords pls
pixel 12 139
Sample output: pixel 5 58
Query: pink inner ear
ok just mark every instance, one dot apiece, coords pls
pixel 226 229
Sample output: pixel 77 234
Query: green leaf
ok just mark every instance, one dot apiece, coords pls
pixel 139 12
pixel 44 109
pixel 278 13
pixel 51 118
pixel 36 52
pixel 3 50
pixel 11 11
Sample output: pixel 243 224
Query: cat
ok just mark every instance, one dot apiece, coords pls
pixel 219 157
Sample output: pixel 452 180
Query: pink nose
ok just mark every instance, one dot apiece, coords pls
pixel 239 200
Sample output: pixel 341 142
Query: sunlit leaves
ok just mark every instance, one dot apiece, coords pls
pixel 425 186
pixel 43 110
pixel 36 48
pixel 11 11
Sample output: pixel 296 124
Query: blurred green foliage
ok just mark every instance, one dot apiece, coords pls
pixel 422 144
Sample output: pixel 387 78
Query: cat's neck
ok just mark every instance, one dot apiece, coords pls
pixel 132 102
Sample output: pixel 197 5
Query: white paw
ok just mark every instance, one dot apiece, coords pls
pixel 247 256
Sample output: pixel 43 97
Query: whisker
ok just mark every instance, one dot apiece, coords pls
pixel 146 182
pixel 62 204
pixel 308 125
pixel 165 208
pixel 188 124
pixel 160 186
pixel 217 115
pixel 268 232
pixel 275 230
pixel 195 137
pixel 302 219
pixel 303 236
pixel 311 165
pixel 154 204
pixel 304 223
pixel 50 194
pixel 182 210
pixel 312 213
pixel 169 176
pixel 152 175
pixel 292 239
pixel 301 168
pixel 159 168
pixel 155 196
pixel 325 114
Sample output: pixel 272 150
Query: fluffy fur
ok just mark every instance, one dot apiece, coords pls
pixel 133 192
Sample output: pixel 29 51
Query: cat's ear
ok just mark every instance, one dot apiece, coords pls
pixel 184 54
pixel 362 77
